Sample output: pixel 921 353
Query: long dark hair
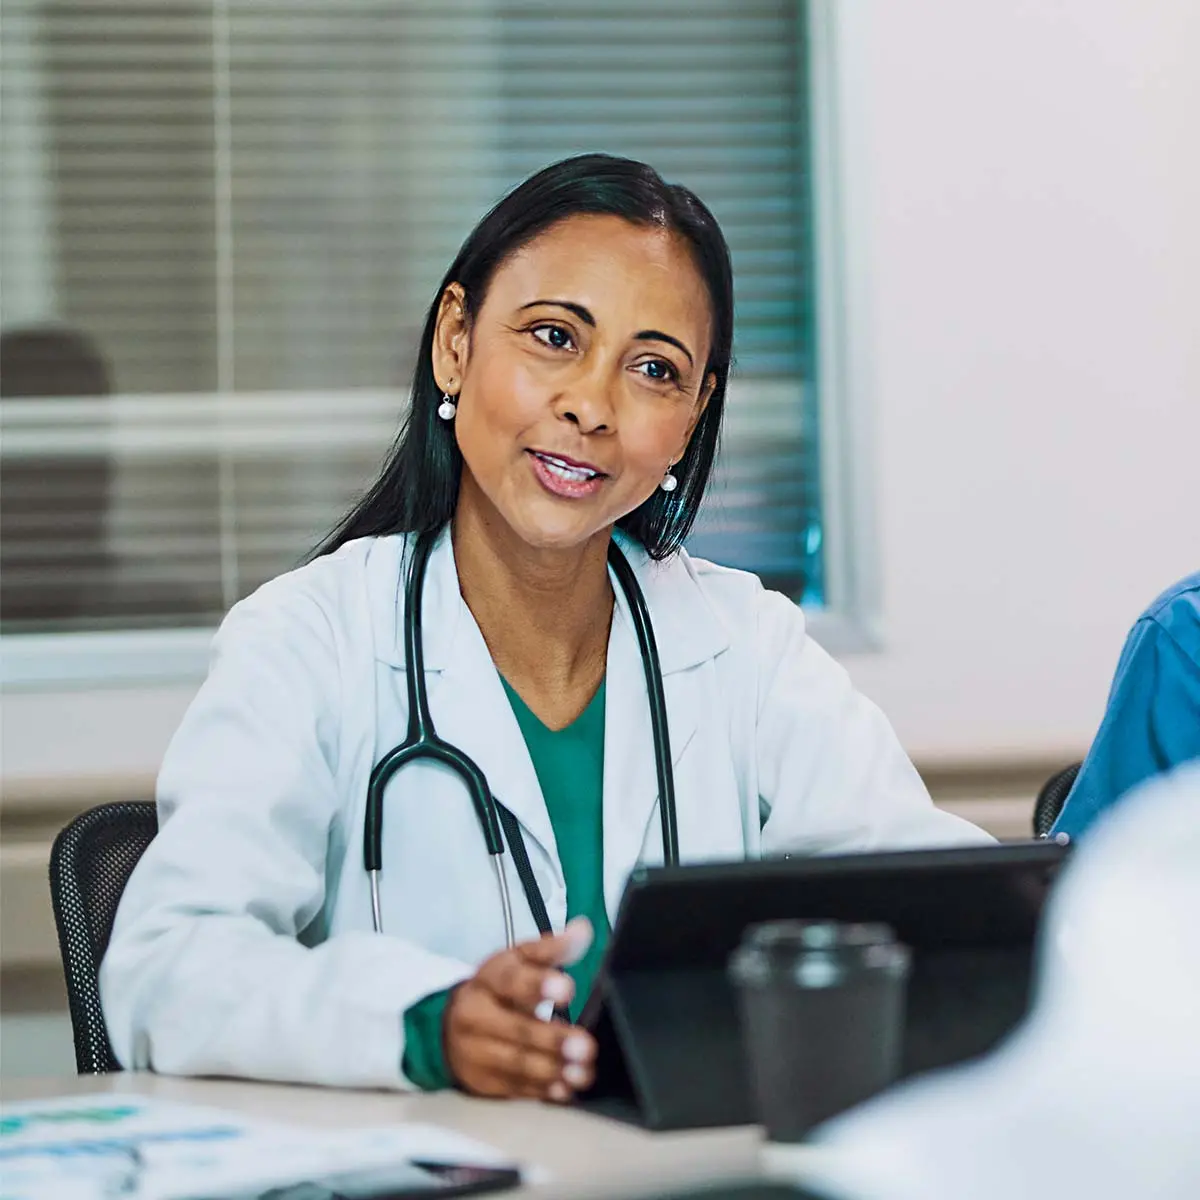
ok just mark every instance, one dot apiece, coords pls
pixel 418 487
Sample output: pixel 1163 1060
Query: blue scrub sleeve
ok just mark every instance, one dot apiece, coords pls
pixel 1151 724
pixel 424 1054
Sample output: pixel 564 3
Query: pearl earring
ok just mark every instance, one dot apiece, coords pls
pixel 669 483
pixel 447 408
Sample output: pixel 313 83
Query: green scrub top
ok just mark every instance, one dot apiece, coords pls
pixel 569 764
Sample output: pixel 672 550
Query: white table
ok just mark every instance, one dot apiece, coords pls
pixel 580 1153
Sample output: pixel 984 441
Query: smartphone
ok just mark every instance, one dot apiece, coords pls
pixel 406 1181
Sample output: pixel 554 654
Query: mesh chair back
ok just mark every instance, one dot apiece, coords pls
pixel 1051 799
pixel 90 864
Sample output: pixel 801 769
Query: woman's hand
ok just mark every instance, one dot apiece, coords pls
pixel 495 1043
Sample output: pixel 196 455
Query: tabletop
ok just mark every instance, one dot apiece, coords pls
pixel 577 1153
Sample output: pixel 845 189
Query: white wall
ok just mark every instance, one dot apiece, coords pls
pixel 1022 183
pixel 1027 175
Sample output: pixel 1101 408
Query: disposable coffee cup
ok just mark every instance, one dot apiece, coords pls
pixel 822 1014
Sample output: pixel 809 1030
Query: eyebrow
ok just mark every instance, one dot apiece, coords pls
pixel 578 309
pixel 655 335
pixel 644 335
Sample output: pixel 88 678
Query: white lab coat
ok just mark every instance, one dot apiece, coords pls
pixel 243 944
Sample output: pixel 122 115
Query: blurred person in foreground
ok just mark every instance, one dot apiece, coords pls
pixel 1098 1094
pixel 1152 720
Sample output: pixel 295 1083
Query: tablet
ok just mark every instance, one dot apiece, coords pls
pixel 663 1011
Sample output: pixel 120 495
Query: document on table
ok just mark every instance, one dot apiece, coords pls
pixel 101 1147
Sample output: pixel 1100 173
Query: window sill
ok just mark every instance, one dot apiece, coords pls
pixel 40 662
pixel 54 661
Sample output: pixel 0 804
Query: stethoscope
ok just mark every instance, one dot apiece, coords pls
pixel 422 742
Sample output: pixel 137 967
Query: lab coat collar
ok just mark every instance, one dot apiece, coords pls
pixel 686 627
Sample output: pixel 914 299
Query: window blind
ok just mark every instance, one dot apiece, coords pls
pixel 223 222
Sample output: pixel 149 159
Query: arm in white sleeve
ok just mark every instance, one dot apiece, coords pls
pixel 833 777
pixel 206 972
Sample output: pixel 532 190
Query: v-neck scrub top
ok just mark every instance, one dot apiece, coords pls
pixel 569 764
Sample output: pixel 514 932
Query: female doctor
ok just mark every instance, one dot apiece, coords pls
pixel 568 393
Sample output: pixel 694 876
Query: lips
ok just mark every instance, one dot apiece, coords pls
pixel 564 477
pixel 570 469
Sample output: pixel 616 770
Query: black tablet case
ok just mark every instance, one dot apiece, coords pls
pixel 664 1012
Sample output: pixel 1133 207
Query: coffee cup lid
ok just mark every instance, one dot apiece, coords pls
pixel 816 953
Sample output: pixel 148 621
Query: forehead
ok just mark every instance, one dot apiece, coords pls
pixel 642 276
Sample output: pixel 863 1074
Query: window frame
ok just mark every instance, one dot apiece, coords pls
pixel 849 621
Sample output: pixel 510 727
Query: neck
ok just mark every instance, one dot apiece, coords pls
pixel 544 614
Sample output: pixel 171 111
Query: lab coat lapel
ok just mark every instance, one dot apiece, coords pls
pixel 470 708
pixel 687 633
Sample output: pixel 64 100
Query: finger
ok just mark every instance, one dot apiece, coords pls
pixel 522 1061
pixel 482 1014
pixel 561 949
pixel 525 975
pixel 522 986
pixel 574 1049
pixel 479 1069
pixel 492 1081
pixel 523 1068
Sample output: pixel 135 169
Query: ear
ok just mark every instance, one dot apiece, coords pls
pixel 710 386
pixel 451 340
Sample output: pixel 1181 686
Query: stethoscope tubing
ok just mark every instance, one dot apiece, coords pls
pixel 422 742
pixel 659 732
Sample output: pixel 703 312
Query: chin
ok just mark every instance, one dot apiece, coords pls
pixel 541 537
pixel 551 534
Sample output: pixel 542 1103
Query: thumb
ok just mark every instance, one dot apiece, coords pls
pixel 561 949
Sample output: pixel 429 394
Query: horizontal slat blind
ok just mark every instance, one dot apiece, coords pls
pixel 244 206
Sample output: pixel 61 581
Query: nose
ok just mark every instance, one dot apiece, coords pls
pixel 588 406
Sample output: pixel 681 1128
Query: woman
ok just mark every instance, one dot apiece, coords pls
pixel 570 381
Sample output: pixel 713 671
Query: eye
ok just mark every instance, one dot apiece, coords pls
pixel 658 370
pixel 554 336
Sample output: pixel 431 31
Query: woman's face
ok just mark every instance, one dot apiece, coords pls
pixel 581 378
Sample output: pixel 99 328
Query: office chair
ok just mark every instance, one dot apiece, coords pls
pixel 1051 799
pixel 90 864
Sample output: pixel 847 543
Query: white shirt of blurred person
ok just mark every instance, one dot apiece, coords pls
pixel 1098 1094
